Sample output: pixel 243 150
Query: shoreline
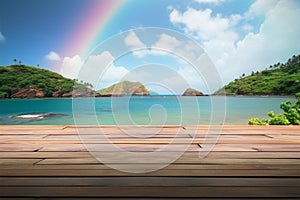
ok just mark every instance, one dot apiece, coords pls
pixel 166 95
pixel 242 127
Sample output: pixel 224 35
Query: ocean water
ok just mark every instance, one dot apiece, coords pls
pixel 151 110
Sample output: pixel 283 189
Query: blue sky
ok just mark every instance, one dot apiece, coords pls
pixel 238 36
pixel 32 28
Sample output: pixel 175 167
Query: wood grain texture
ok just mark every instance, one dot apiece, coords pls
pixel 246 162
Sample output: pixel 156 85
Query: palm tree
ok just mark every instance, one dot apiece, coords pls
pixel 38 65
pixel 20 62
pixel 15 61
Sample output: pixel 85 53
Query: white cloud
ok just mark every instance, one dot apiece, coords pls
pixel 135 44
pixel 276 41
pixel 132 40
pixel 192 76
pixel 102 68
pixel 53 56
pixel 165 45
pixel 235 53
pixel 261 7
pixel 202 24
pixel 210 1
pixel 2 38
pixel 71 66
pixel 167 42
pixel 96 68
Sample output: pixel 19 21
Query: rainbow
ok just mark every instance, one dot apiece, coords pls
pixel 90 27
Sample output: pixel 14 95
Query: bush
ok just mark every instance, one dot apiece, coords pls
pixel 291 115
pixel 256 121
pixel 279 120
pixel 292 111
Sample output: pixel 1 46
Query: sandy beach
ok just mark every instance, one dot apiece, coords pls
pixel 53 161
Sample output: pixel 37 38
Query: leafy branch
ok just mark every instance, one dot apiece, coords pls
pixel 290 115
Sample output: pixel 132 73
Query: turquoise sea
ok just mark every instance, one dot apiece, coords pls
pixel 150 110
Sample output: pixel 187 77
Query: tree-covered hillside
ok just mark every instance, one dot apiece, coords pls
pixel 20 81
pixel 279 79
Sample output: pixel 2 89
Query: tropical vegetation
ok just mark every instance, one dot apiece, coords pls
pixel 279 79
pixel 290 115
pixel 16 77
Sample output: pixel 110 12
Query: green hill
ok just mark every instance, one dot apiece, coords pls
pixel 279 79
pixel 20 81
pixel 125 88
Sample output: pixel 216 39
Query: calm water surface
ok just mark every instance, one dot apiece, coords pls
pixel 153 110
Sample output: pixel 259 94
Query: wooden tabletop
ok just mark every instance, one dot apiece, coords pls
pixel 244 162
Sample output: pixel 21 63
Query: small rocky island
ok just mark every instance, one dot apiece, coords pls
pixel 192 92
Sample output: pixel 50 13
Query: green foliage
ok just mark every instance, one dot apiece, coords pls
pixel 279 119
pixel 21 76
pixel 290 116
pixel 256 121
pixel 292 111
pixel 279 79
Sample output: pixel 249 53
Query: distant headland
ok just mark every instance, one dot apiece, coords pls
pixel 21 81
pixel 279 79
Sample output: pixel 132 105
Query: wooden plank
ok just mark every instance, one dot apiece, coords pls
pixel 125 147
pixel 186 166
pixel 249 155
pixel 244 128
pixel 77 140
pixel 257 147
pixel 149 181
pixel 57 154
pixel 162 173
pixel 36 127
pixel 15 161
pixel 184 192
pixel 250 130
pixel 19 147
pixel 67 161
pixel 7 137
pixel 194 155
pixel 119 159
pixel 295 137
pixel 246 162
